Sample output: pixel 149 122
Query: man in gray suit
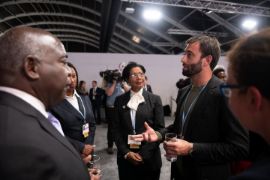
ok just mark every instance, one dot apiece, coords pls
pixel 33 77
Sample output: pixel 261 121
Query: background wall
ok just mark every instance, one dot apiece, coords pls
pixel 163 71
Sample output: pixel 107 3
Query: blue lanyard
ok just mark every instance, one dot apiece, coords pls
pixel 84 113
pixel 133 118
pixel 184 115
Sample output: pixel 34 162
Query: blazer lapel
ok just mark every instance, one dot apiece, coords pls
pixel 142 109
pixel 126 110
pixel 28 110
pixel 48 127
pixel 72 109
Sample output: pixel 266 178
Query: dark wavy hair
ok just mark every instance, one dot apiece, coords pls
pixel 69 64
pixel 127 69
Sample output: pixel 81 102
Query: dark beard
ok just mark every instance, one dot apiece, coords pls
pixel 192 69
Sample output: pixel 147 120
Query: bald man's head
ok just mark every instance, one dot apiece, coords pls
pixel 15 45
pixel 34 61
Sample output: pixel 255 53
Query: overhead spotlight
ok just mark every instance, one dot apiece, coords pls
pixel 129 10
pixel 152 15
pixel 136 39
pixel 249 24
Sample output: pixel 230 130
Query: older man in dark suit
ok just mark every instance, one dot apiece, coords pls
pixel 33 78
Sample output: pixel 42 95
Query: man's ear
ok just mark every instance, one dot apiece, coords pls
pixel 254 98
pixel 31 67
pixel 208 59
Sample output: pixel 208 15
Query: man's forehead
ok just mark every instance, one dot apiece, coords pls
pixel 193 47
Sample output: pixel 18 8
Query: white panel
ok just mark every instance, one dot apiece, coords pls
pixel 163 71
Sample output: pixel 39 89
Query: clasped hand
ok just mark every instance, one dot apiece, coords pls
pixel 134 158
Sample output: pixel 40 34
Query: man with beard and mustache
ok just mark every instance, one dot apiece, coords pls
pixel 209 137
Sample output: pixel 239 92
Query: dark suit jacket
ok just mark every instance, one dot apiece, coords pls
pixel 151 111
pixel 72 122
pixel 100 93
pixel 31 148
pixel 260 170
pixel 217 136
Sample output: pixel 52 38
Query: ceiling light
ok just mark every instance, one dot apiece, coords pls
pixel 129 10
pixel 249 24
pixel 136 39
pixel 152 15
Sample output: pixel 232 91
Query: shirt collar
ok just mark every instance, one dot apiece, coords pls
pixel 33 101
pixel 139 92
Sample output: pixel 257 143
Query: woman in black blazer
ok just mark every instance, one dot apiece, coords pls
pixel 137 161
pixel 76 116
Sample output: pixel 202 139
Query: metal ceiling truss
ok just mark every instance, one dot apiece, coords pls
pixel 216 6
pixel 62 23
pixel 68 30
pixel 158 33
pixel 79 41
pixel 64 3
pixel 128 41
pixel 193 32
pixel 112 46
pixel 225 23
pixel 77 37
pixel 123 46
pixel 49 14
pixel 131 32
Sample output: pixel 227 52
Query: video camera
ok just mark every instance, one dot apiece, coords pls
pixel 110 75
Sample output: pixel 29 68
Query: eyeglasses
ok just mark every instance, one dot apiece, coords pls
pixel 137 75
pixel 226 89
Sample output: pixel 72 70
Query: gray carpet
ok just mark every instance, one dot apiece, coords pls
pixel 108 162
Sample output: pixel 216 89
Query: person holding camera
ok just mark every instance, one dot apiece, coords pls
pixel 114 87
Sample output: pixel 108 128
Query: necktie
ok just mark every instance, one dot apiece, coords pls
pixel 55 122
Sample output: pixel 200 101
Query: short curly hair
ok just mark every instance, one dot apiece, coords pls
pixel 127 69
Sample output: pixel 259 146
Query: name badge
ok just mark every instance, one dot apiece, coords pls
pixel 85 130
pixel 133 144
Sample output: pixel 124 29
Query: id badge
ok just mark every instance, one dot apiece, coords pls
pixel 85 130
pixel 133 144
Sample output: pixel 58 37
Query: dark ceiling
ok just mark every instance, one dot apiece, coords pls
pixel 107 26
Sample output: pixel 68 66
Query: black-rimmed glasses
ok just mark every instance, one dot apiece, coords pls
pixel 226 91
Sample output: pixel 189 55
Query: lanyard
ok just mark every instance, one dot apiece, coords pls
pixel 185 115
pixel 81 103
pixel 133 116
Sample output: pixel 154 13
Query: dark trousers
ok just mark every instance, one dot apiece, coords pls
pixel 110 115
pixel 96 111
pixel 127 171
